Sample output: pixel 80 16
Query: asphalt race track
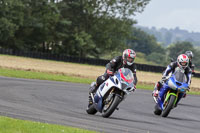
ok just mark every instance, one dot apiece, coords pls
pixel 65 104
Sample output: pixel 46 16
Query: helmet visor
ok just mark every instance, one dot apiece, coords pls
pixel 183 64
pixel 129 59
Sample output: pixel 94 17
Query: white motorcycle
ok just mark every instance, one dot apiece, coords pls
pixel 111 92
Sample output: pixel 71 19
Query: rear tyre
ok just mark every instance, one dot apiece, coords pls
pixel 157 110
pixel 168 106
pixel 106 113
pixel 91 110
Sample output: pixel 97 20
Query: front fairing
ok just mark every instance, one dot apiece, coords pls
pixel 173 86
pixel 125 77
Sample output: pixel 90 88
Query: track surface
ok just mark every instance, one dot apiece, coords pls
pixel 65 103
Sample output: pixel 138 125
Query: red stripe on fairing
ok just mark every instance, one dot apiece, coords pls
pixel 122 76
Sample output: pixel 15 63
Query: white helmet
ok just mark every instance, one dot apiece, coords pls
pixel 182 61
pixel 128 56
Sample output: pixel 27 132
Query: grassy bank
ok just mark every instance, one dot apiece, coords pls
pixel 61 77
pixel 9 125
pixel 42 76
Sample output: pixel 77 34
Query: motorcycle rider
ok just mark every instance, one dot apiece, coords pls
pixel 126 61
pixel 182 62
pixel 190 56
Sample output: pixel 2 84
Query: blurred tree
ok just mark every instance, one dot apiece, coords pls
pixel 11 18
pixel 145 43
pixel 107 23
pixel 82 27
pixel 179 48
pixel 158 58
pixel 38 31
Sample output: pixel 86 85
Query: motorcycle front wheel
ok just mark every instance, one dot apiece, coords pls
pixel 110 107
pixel 168 106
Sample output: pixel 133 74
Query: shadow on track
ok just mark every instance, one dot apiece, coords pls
pixel 189 105
pixel 183 119
pixel 124 119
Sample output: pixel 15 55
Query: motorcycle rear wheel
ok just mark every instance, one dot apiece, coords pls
pixel 157 110
pixel 91 110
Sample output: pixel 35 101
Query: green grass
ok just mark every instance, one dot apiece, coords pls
pixel 58 77
pixel 42 76
pixel 10 125
pixel 55 77
pixel 145 87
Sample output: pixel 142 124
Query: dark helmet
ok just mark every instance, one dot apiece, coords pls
pixel 128 56
pixel 189 54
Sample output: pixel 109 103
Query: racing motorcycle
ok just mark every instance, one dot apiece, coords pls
pixel 171 93
pixel 111 92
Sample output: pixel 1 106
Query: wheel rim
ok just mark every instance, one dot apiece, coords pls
pixel 108 102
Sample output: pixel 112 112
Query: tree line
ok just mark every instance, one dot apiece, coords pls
pixel 83 28
pixel 86 28
pixel 168 36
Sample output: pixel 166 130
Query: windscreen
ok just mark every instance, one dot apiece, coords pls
pixel 126 75
pixel 180 75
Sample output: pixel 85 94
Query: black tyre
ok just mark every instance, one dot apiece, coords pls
pixel 112 106
pixel 91 110
pixel 157 110
pixel 168 106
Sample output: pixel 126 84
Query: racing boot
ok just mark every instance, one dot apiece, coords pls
pixel 92 91
pixel 157 89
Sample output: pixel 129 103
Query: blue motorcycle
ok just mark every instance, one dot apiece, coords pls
pixel 171 93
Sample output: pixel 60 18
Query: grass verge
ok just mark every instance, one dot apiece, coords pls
pixel 42 76
pixel 10 125
pixel 58 77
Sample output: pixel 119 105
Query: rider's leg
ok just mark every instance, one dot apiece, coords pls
pixel 157 87
pixel 95 85
pixel 99 81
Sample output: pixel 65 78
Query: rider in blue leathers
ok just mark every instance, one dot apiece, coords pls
pixel 182 62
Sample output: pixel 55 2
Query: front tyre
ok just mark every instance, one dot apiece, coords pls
pixel 112 106
pixel 168 106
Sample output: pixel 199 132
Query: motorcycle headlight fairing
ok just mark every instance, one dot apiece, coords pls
pixel 172 85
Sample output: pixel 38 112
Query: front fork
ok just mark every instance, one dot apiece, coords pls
pixel 169 93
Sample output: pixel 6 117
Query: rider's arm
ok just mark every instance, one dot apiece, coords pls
pixel 169 68
pixel 191 65
pixel 188 76
pixel 112 64
pixel 134 75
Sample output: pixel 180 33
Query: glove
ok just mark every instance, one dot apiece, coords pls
pixel 164 78
pixel 109 72
pixel 133 88
pixel 188 89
